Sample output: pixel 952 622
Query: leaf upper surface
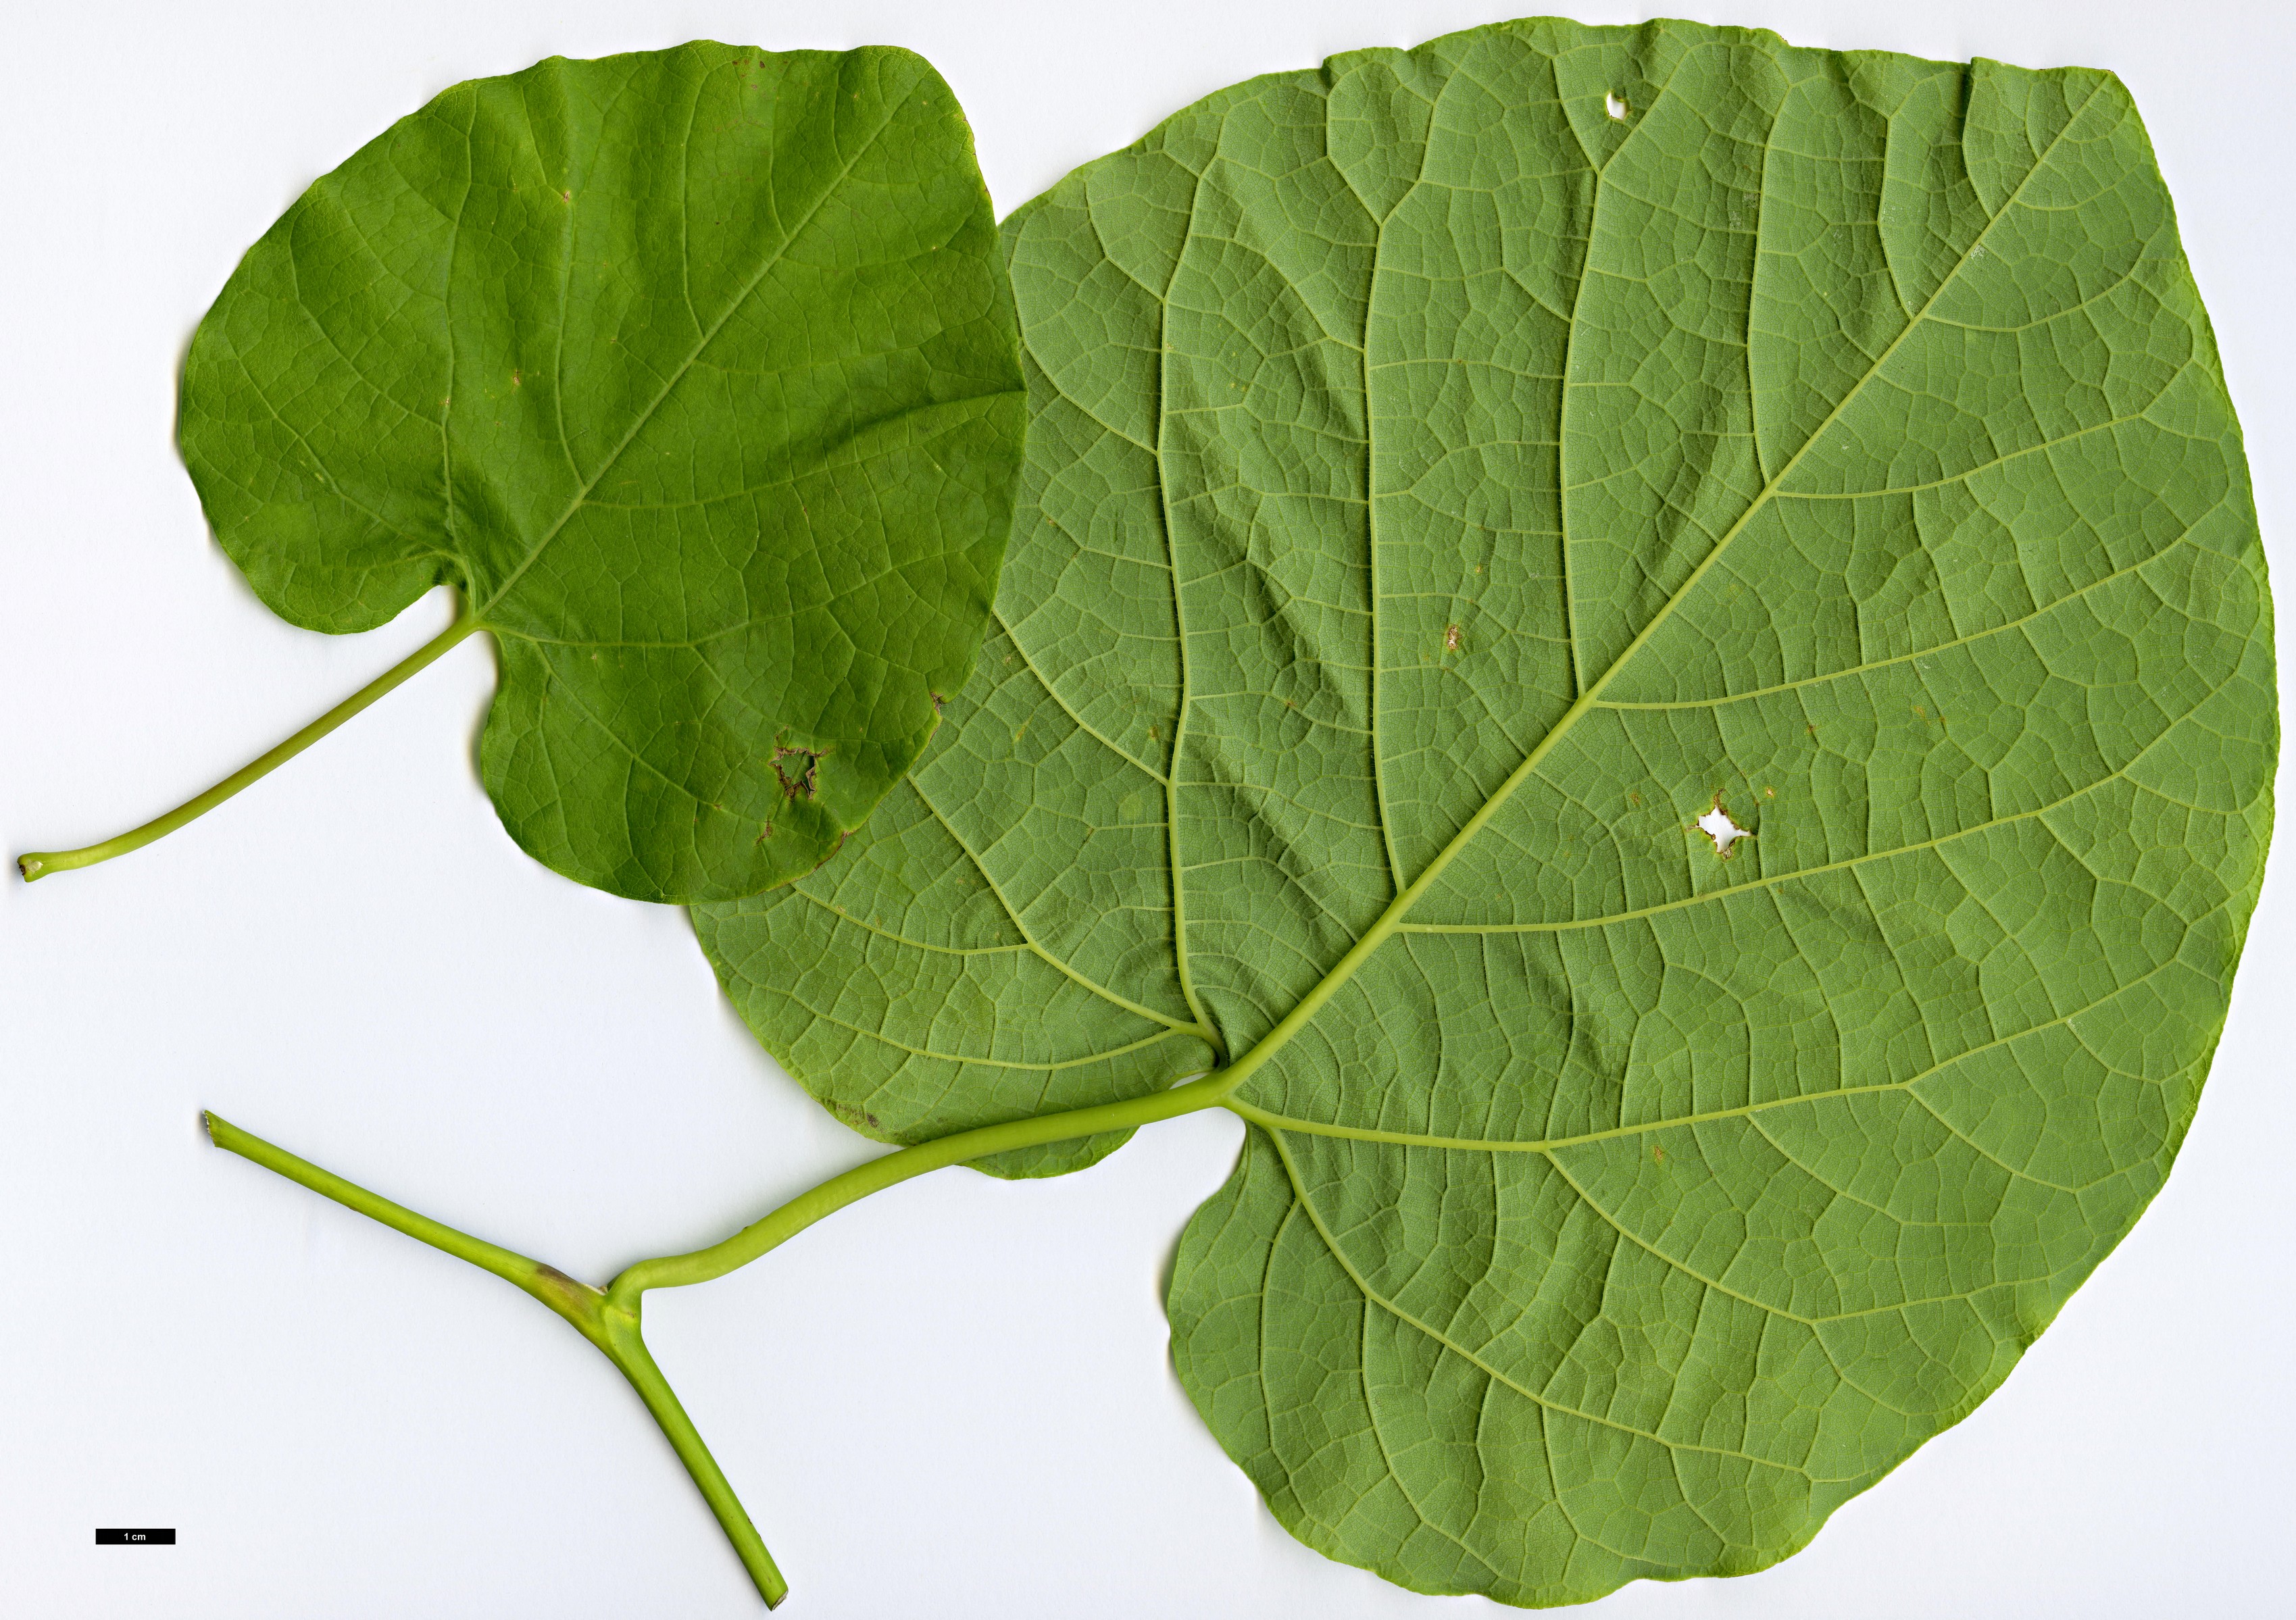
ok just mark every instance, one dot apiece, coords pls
pixel 695 372
pixel 1453 474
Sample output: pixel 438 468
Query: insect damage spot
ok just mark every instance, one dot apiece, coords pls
pixel 1615 105
pixel 1451 638
pixel 860 1118
pixel 1717 825
pixel 796 781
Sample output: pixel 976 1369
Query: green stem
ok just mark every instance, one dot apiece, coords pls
pixel 41 862
pixel 614 1330
pixel 578 1302
pixel 611 1320
pixel 629 1352
pixel 677 1271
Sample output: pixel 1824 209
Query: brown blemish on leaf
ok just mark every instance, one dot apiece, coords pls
pixel 1450 638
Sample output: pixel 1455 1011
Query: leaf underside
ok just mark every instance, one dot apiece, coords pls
pixel 1453 474
pixel 694 371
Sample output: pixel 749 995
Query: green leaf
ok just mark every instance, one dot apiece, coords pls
pixel 694 372
pixel 1453 475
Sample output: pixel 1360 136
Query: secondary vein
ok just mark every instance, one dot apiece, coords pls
pixel 1363 1287
pixel 1273 1121
pixel 1180 631
pixel 1012 914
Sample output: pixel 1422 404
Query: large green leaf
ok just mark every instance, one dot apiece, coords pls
pixel 695 372
pixel 1453 474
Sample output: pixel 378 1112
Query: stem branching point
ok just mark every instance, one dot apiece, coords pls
pixel 610 1318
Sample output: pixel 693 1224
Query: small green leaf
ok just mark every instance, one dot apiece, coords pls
pixel 1454 477
pixel 694 372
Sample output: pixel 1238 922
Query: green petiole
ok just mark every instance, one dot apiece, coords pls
pixel 39 863
pixel 610 1318
pixel 762 1237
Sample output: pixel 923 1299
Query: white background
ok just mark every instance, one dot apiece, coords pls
pixel 955 1400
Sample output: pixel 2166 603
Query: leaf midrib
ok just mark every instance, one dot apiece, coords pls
pixel 1400 909
pixel 680 372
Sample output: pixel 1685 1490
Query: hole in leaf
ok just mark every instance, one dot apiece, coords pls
pixel 1615 105
pixel 797 782
pixel 1717 825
